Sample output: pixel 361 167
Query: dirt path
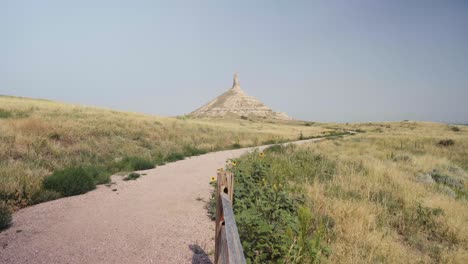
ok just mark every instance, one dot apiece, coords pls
pixel 159 218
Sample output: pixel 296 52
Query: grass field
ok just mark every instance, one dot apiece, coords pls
pixel 40 137
pixel 395 193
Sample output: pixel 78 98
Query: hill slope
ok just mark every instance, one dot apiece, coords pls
pixel 38 137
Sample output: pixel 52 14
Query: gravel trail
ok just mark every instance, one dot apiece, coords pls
pixel 158 218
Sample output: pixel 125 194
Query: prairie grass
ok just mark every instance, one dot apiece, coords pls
pixel 392 193
pixel 38 137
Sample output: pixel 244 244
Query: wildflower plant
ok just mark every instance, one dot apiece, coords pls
pixel 266 209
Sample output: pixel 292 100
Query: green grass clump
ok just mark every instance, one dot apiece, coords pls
pixel 278 148
pixel 5 217
pixel 5 114
pixel 271 142
pixel 193 151
pixel 134 163
pixel 446 142
pixel 236 146
pixel 13 114
pixel 99 174
pixel 175 157
pixel 43 196
pixel 70 181
pixel 132 176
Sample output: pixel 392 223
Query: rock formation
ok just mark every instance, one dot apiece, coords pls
pixel 236 102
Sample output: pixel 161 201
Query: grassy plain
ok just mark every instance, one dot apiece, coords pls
pixel 39 137
pixel 395 193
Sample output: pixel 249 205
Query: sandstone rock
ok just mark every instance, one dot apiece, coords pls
pixel 236 102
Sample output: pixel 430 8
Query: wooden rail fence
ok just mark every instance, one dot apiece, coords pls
pixel 228 248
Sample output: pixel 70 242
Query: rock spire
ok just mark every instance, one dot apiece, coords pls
pixel 236 102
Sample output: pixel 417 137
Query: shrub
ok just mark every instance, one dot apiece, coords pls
pixel 43 196
pixel 455 129
pixel 5 217
pixel 70 181
pixel 279 148
pixel 275 148
pixel 236 146
pixel 175 157
pixel 264 216
pixel 55 136
pixel 274 222
pixel 134 163
pixel 446 142
pixel 403 157
pixel 446 180
pixel 269 142
pixel 5 114
pixel 99 174
pixel 193 151
pixel 132 176
pixel 9 114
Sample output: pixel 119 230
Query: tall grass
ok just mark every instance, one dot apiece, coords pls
pixel 391 194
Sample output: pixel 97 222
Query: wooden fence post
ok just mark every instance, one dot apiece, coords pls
pixel 228 248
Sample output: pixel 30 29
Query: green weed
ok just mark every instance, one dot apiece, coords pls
pixel 43 196
pixel 5 114
pixel 132 176
pixel 70 181
pixel 5 216
pixel 133 164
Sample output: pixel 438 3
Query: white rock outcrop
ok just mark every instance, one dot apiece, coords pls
pixel 236 102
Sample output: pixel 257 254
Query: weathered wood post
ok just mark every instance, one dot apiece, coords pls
pixel 228 248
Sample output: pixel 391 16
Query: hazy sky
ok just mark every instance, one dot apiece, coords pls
pixel 339 61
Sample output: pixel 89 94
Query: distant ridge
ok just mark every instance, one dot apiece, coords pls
pixel 236 102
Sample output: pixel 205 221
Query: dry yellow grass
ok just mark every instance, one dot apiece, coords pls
pixel 384 211
pixel 40 136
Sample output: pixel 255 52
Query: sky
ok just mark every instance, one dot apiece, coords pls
pixel 327 61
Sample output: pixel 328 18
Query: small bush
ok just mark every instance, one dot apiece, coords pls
pixel 5 114
pixel 279 148
pixel 275 148
pixel 132 176
pixel 446 142
pixel 17 114
pixel 455 129
pixel 175 157
pixel 43 196
pixel 134 163
pixel 5 217
pixel 301 136
pixel 193 151
pixel 404 158
pixel 55 136
pixel 446 180
pixel 70 181
pixel 236 146
pixel 99 174
pixel 269 142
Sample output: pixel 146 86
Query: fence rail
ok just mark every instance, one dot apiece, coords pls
pixel 228 248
